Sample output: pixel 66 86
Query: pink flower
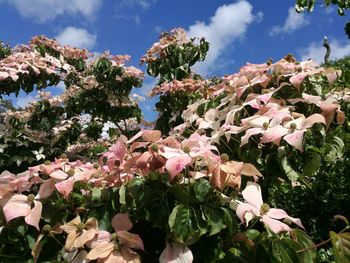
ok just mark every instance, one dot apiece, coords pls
pixel 65 187
pixel 176 253
pixel 254 206
pixel 105 249
pixel 196 146
pixel 16 205
pixel 79 233
pixel 176 164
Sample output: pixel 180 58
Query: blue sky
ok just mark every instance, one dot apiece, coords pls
pixel 239 31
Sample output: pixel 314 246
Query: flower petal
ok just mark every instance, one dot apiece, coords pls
pixel 46 189
pixel 121 222
pixel 130 240
pixel 176 253
pixel 175 165
pixel 311 120
pixel 33 218
pixel 274 134
pixel 281 214
pixel 275 225
pixel 85 237
pixel 65 187
pixel 101 250
pixel 252 194
pixel 59 174
pixel 249 133
pixel 102 236
pixel 15 206
pixel 71 226
pixel 151 136
pixel 244 208
pixel 295 139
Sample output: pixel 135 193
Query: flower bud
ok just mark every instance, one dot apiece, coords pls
pixel 81 226
pixel 31 198
pixel 225 157
pixel 154 147
pixel 293 126
pixel 187 149
pixel 46 228
pixel 71 172
pixel 264 209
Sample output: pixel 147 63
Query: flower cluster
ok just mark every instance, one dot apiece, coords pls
pixel 186 85
pixel 176 36
pixel 255 104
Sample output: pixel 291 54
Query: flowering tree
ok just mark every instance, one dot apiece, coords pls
pixel 97 92
pixel 198 193
pixel 171 59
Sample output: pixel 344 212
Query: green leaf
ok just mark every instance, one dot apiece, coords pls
pixel 216 220
pixel 282 251
pixel 252 233
pixel 96 194
pixel 180 192
pixel 341 246
pixel 312 165
pixel 230 220
pixel 342 218
pixel 305 242
pixel 335 149
pixel 202 189
pixel 239 255
pixel 184 225
pixel 286 167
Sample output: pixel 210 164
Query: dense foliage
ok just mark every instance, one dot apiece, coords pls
pixel 201 187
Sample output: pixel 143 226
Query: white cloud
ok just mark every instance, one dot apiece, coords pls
pixel 76 37
pixel 144 4
pixel 316 51
pixel 46 10
pixel 24 101
pixel 293 22
pixel 134 18
pixel 228 24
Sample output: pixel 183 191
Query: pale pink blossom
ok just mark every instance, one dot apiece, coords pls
pixel 16 205
pixel 254 206
pixel 176 253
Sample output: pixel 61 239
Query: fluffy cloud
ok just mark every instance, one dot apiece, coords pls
pixel 144 4
pixel 293 22
pixel 229 23
pixel 76 37
pixel 46 10
pixel 316 51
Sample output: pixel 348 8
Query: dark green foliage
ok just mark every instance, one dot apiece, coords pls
pixel 308 5
pixel 168 105
pixel 5 50
pixel 177 60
